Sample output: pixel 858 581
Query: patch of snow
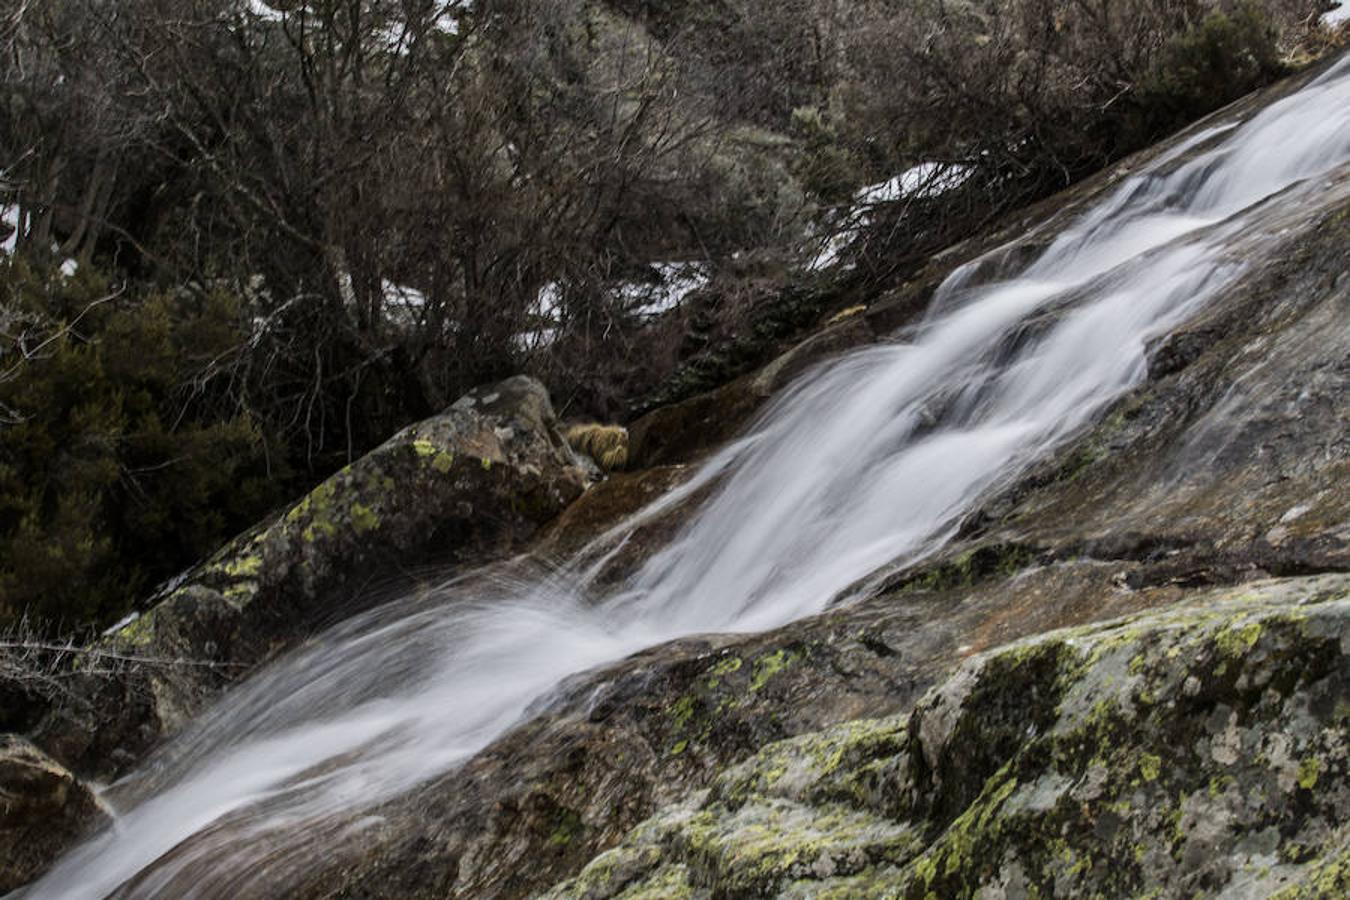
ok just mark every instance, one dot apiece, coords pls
pixel 924 180
pixel 669 285
pixel 547 312
pixel 402 295
pixel 69 268
pixel 396 35
pixel 535 338
pixel 928 179
pixel 403 305
pixel 9 215
pixel 446 19
pixel 260 9
pixel 10 230
pixel 1338 15
pixel 121 623
pixel 673 283
pixel 828 255
pixel 548 304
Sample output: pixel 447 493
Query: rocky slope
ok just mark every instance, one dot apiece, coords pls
pixel 1193 744
pixel 1193 751
pixel 464 487
pixel 1224 467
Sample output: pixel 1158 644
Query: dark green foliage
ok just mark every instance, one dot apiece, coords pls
pixel 826 168
pixel 113 476
pixel 1215 62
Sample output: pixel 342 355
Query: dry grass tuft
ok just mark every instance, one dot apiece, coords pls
pixel 606 444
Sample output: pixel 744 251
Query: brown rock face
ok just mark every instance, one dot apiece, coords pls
pixel 43 810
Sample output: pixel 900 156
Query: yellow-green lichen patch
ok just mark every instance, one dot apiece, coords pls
pixel 443 462
pixel 319 528
pixel 666 883
pixel 611 872
pixel 1094 794
pixel 723 668
pixel 364 518
pixel 238 594
pixel 764 845
pixel 139 632
pixel 316 510
pixel 568 827
pixel 726 666
pixel 1234 643
pixel 1323 879
pixel 828 762
pixel 244 566
pixel 423 447
pixel 682 711
pixel 975 828
pixel 1308 770
pixel 766 667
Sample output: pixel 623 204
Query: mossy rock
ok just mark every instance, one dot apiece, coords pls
pixel 468 485
pixel 1191 752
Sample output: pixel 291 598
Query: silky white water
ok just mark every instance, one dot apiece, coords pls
pixel 862 463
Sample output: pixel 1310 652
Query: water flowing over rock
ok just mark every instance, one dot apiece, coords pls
pixel 469 484
pixel 1134 408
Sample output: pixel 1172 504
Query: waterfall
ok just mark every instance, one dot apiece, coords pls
pixel 863 462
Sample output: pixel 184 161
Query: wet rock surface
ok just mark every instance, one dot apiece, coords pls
pixel 466 486
pixel 1194 751
pixel 1224 467
pixel 886 748
pixel 43 810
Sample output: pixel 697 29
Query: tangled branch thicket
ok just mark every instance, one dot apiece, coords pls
pixel 331 217
pixel 39 675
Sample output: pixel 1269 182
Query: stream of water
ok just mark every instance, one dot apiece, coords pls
pixel 864 461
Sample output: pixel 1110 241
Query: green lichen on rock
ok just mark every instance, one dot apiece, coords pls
pixel 1325 878
pixel 1236 641
pixel 970 568
pixel 1308 770
pixel 364 518
pixel 769 665
pixel 247 565
pixel 725 667
pixel 139 632
pixel 682 711
pixel 568 827
pixel 267 588
pixel 1232 778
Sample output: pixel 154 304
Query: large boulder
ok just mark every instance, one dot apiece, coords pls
pixel 1189 753
pixel 43 810
pixel 465 486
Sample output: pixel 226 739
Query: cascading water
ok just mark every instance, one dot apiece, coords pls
pixel 861 463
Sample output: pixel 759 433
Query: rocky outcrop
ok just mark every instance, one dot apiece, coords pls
pixel 1222 468
pixel 1195 745
pixel 1196 751
pixel 43 810
pixel 464 486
